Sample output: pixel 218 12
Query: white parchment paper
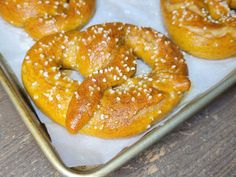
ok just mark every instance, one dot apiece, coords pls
pixel 79 149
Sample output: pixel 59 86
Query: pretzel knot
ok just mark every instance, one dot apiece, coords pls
pixel 111 101
pixel 43 17
pixel 204 28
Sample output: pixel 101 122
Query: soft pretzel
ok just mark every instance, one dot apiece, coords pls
pixel 110 102
pixel 204 28
pixel 43 17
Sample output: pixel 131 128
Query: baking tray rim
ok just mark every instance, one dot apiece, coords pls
pixel 14 92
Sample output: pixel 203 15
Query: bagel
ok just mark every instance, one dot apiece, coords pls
pixel 43 17
pixel 111 101
pixel 203 28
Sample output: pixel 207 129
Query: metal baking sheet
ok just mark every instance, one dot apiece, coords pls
pixel 17 95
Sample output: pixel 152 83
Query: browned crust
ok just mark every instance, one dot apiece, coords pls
pixel 201 43
pixel 102 54
pixel 41 19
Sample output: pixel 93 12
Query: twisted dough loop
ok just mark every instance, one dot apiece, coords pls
pixel 44 17
pixel 204 28
pixel 110 102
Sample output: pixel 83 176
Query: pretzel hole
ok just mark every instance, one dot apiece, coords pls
pixel 72 74
pixel 142 68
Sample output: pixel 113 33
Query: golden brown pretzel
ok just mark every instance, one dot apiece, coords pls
pixel 204 28
pixel 43 17
pixel 110 102
pixel 232 3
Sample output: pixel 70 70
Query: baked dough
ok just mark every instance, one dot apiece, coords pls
pixel 111 102
pixel 203 28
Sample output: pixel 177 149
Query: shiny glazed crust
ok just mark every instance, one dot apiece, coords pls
pixel 111 102
pixel 43 17
pixel 206 29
